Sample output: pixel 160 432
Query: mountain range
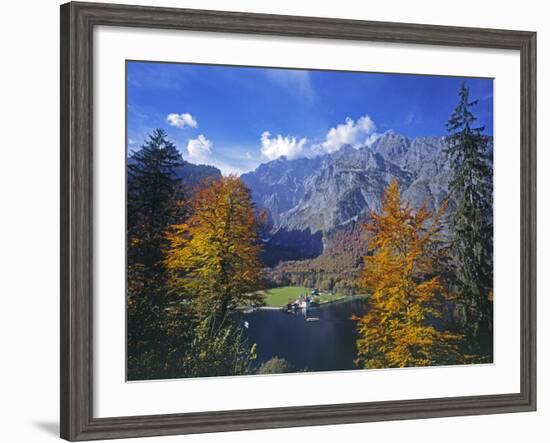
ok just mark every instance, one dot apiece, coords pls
pixel 308 198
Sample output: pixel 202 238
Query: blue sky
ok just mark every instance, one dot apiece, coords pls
pixel 238 117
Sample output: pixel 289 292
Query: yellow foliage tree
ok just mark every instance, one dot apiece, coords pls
pixel 401 272
pixel 213 257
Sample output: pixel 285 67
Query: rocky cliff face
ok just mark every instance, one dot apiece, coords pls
pixel 278 186
pixel 308 198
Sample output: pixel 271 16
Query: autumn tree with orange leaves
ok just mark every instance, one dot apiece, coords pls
pixel 214 255
pixel 402 274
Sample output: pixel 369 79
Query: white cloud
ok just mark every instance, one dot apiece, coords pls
pixel 231 166
pixel 199 148
pixel 274 147
pixel 228 169
pixel 181 120
pixel 292 81
pixel 355 133
pixel 351 133
pixel 372 138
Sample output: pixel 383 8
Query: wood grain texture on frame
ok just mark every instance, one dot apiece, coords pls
pixel 77 24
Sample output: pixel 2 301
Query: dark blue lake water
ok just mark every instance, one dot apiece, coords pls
pixel 324 345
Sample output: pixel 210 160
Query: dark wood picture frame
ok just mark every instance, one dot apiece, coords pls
pixel 77 23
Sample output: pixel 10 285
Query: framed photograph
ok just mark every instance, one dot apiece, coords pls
pixel 272 221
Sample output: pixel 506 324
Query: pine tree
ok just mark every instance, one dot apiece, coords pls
pixel 471 224
pixel 152 206
pixel 402 274
pixel 152 198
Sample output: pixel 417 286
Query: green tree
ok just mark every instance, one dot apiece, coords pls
pixel 275 365
pixel 471 223
pixel 152 206
pixel 217 351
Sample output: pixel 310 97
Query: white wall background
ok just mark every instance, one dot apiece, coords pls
pixel 29 220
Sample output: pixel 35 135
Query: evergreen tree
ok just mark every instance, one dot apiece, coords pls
pixel 471 224
pixel 152 195
pixel 153 205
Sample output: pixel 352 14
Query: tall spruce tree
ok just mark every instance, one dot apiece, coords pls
pixel 152 207
pixel 152 197
pixel 471 224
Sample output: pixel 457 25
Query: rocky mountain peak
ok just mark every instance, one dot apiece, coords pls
pixel 393 147
pixel 307 198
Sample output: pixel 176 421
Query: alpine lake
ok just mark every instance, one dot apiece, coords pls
pixel 320 338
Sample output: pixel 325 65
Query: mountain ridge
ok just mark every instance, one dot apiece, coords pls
pixel 307 198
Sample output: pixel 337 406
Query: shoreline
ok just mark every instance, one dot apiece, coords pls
pixel 320 306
